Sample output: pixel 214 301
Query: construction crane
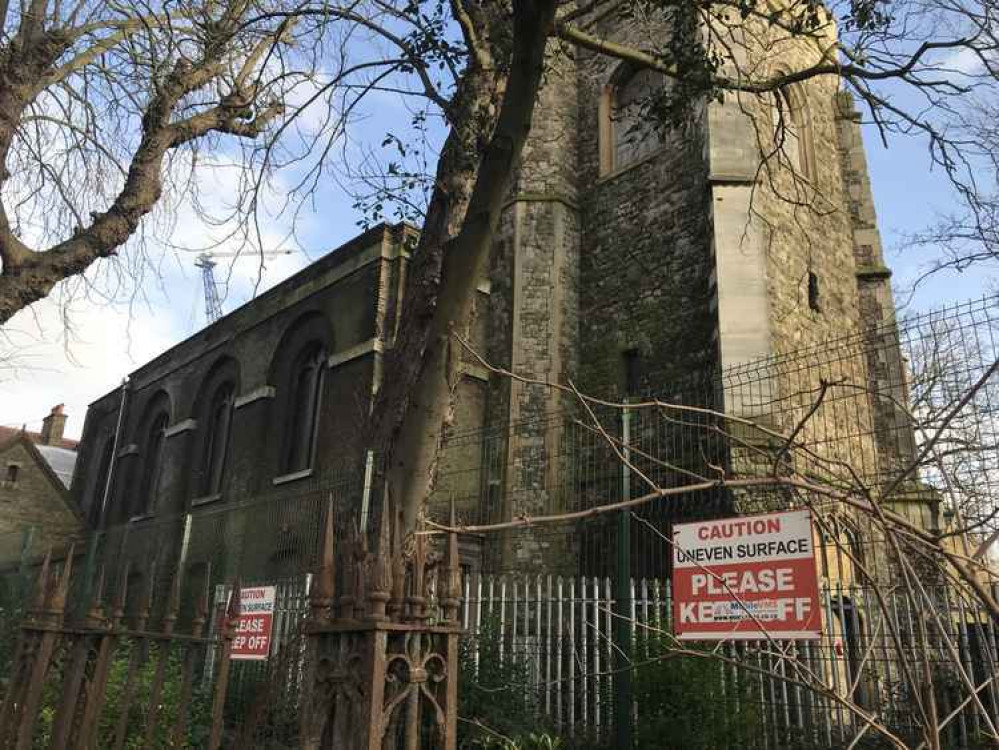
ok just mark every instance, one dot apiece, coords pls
pixel 206 262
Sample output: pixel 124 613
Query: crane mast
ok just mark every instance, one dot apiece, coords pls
pixel 213 305
pixel 206 262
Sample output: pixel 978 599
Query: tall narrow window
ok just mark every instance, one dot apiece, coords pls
pixel 634 134
pixel 304 407
pixel 217 439
pixel 814 298
pixel 152 466
pixel 12 471
pixel 790 126
pixel 632 372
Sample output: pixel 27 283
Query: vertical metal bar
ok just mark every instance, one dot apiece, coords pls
pixel 611 680
pixel 597 641
pixel 622 630
pixel 559 652
pixel 538 655
pixel 513 622
pixel 71 684
pixel 466 586
pixel 572 659
pixel 502 616
pixel 992 667
pixel 584 641
pixel 645 618
pixel 478 620
pixel 35 683
pixel 964 645
pixel 847 667
pixel 222 680
pixel 764 708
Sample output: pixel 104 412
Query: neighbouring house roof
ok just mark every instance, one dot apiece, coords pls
pixel 61 460
pixel 6 433
pixel 57 462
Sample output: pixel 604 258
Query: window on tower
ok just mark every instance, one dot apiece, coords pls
pixel 629 130
pixel 791 132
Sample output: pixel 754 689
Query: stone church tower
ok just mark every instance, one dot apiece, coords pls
pixel 630 261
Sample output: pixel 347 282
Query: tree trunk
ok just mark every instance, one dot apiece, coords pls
pixel 415 405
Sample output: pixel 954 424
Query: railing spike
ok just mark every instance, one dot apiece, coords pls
pixel 95 612
pixel 201 603
pixel 322 590
pixel 173 601
pixel 118 604
pixel 397 601
pixel 42 589
pixel 360 570
pixel 61 593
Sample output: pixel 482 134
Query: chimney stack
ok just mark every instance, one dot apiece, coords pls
pixel 53 425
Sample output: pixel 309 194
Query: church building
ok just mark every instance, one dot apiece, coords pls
pixel 629 260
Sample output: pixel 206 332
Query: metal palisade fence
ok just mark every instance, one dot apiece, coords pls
pixel 773 694
pixel 551 641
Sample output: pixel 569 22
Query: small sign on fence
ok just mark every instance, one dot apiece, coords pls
pixel 252 638
pixel 746 578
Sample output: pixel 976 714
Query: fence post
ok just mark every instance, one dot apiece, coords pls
pixel 222 680
pixel 622 664
pixel 381 670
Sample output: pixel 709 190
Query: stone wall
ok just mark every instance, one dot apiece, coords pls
pixel 34 500
pixel 645 254
pixel 533 325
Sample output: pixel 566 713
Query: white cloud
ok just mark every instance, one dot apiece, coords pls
pixel 75 346
pixel 43 362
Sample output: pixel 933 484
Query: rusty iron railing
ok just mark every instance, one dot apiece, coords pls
pixel 60 673
pixel 381 665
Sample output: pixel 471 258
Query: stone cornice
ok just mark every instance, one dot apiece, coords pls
pixel 187 425
pixel 873 272
pixel 358 350
pixel 542 198
pixel 257 394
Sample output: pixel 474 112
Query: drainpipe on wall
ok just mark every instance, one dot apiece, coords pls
pixel 114 447
pixel 90 558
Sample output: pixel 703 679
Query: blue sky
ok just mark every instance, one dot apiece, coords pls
pixel 43 363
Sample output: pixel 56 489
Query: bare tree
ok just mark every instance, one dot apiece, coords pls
pixel 910 675
pixel 129 100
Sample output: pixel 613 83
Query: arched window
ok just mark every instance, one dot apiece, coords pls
pixel 304 404
pixel 101 489
pixel 152 465
pixel 216 445
pixel 633 135
pixel 791 133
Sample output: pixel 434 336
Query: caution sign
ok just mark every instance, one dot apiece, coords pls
pixel 252 632
pixel 746 578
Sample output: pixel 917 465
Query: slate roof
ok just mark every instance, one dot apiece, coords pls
pixel 61 460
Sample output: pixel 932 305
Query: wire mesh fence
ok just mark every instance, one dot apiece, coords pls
pixel 905 414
